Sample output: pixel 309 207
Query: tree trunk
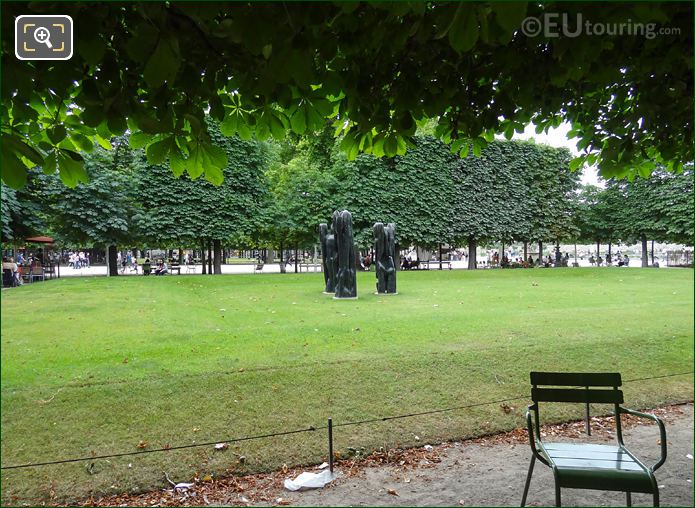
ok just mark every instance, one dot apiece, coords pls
pixel 209 256
pixel 202 255
pixel 296 259
pixel 217 251
pixel 598 248
pixel 610 245
pixel 540 250
pixel 525 252
pixel 652 252
pixel 440 256
pixel 180 255
pixel 576 263
pixel 472 253
pixel 501 256
pixel 558 255
pixel 645 252
pixel 112 260
pixel 283 267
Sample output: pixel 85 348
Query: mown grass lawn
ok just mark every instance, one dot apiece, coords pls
pixel 96 365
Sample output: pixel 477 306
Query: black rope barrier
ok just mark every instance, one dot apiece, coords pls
pixel 299 431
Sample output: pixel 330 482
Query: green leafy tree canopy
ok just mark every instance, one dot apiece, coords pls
pixel 376 69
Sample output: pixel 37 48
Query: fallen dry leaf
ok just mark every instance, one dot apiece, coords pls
pixel 265 488
pixel 392 492
pixel 142 444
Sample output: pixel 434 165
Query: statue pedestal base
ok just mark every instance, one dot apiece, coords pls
pixel 386 294
pixel 327 293
pixel 345 298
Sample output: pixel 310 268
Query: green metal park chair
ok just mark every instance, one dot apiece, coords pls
pixel 583 465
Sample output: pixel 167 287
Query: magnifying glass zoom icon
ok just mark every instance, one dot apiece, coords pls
pixel 43 36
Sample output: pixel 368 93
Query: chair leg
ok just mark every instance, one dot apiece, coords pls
pixel 558 499
pixel 656 496
pixel 628 498
pixel 528 480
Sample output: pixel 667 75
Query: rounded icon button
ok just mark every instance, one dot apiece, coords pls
pixel 531 26
pixel 43 36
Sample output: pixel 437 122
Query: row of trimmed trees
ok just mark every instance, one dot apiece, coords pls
pixel 658 209
pixel 275 194
pixel 514 191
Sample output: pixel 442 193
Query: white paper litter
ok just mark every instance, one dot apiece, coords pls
pixel 323 465
pixel 183 486
pixel 689 456
pixel 308 480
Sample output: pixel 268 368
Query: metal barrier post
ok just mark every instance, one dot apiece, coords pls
pixel 588 417
pixel 330 444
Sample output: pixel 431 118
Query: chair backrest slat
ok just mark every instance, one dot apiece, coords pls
pixel 577 395
pixel 576 378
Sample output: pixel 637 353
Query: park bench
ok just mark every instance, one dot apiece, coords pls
pixel 49 270
pixel 427 265
pixel 307 266
pixel 258 268
pixel 36 272
pixel 583 465
pixel 146 268
pixel 175 268
pixel 25 273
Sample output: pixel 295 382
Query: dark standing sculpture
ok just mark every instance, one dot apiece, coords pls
pixel 385 254
pixel 346 277
pixel 329 255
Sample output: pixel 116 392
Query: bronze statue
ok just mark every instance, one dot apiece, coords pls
pixel 346 277
pixel 329 256
pixel 385 254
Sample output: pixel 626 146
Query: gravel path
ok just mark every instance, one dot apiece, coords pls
pixel 487 474
pixel 488 471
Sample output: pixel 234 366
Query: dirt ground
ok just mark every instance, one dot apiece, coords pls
pixel 487 471
pixel 484 474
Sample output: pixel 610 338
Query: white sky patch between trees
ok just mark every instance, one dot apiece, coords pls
pixel 557 137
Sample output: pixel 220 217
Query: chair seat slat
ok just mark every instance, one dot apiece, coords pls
pixel 576 378
pixel 613 465
pixel 577 395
